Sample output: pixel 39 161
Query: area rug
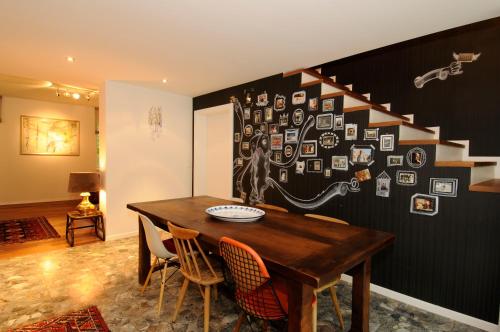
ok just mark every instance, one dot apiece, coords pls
pixel 85 320
pixel 26 229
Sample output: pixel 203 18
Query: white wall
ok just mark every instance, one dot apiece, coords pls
pixel 34 178
pixel 213 151
pixel 135 166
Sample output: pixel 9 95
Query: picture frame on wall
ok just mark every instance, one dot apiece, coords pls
pixel 447 187
pixel 371 134
pixel 277 156
pixel 340 163
pixel 237 137
pixel 423 204
pixel 262 99
pixel 387 142
pixel 263 127
pixel 363 175
pixel 328 105
pixel 328 172
pixel 49 137
pixel 393 160
pixel 299 97
pixel 283 121
pixel 309 148
pixel 315 166
pixel 338 122
pixel 291 135
pixel 313 104
pixel 273 128
pixel 245 145
pixel 324 121
pixel 328 140
pixel 279 102
pixel 246 113
pixel 248 130
pixel 288 151
pixel 257 117
pixel 298 117
pixel 416 157
pixel 277 142
pixel 283 175
pixel 406 178
pixel 351 131
pixel 268 114
pixel 362 155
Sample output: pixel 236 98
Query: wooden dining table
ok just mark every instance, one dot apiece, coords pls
pixel 306 252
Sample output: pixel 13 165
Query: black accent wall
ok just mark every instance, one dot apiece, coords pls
pixel 451 259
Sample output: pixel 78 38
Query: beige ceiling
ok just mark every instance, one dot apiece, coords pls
pixel 201 46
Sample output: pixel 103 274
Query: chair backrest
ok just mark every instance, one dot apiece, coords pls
pixel 271 207
pixel 254 291
pixel 325 218
pixel 153 239
pixel 188 249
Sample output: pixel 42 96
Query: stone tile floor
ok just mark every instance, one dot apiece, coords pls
pixel 105 274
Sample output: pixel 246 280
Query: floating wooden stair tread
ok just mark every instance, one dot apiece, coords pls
pixel 490 186
pixel 372 106
pixel 400 123
pixel 430 142
pixel 464 163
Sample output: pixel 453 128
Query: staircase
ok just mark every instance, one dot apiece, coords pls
pixel 484 174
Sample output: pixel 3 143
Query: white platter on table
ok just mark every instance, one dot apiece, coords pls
pixel 235 213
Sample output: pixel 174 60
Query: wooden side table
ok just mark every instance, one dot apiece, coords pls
pixel 97 223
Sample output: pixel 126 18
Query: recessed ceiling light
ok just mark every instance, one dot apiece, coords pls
pixel 75 96
pixel 164 80
pixel 70 59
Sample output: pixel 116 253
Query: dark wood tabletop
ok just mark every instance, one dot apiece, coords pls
pixel 313 251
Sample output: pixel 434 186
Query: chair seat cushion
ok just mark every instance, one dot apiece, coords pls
pixel 169 244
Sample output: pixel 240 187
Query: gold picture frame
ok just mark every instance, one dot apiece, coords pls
pixel 49 137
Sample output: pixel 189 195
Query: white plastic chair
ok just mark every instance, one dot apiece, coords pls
pixel 159 251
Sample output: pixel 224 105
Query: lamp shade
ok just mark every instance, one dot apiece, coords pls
pixel 84 182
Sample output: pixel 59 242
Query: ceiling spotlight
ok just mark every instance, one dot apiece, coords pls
pixel 75 96
pixel 66 94
pixel 58 93
pixel 164 80
pixel 70 59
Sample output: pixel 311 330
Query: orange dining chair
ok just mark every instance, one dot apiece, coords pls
pixel 331 285
pixel 256 292
pixel 271 207
pixel 196 270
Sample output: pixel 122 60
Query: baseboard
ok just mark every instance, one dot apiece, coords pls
pixel 20 204
pixel 121 236
pixel 435 309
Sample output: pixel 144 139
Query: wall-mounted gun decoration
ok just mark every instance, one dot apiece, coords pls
pixel 455 68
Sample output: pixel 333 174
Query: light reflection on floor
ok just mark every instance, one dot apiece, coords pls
pixel 105 274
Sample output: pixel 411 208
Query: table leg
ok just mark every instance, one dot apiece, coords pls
pixel 361 297
pixel 144 255
pixel 300 297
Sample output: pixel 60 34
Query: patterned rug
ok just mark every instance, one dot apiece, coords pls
pixel 26 229
pixel 85 320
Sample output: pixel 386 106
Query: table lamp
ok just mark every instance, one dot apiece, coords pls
pixel 84 183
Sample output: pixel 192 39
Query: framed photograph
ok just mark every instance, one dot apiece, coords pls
pixel 246 113
pixel 406 178
pixel 237 137
pixel 277 142
pixel 245 145
pixel 283 122
pixel 268 114
pixel 443 187
pixel 248 130
pixel 299 167
pixel 299 97
pixel 315 166
pixel 424 204
pixel 298 117
pixel 273 128
pixel 362 155
pixel 309 149
pixel 340 163
pixel 277 156
pixel 371 134
pixel 279 102
pixel 257 117
pixel 313 104
pixel 351 131
pixel 328 105
pixel 262 99
pixel 288 151
pixel 363 175
pixel 338 122
pixel 328 140
pixel 239 161
pixel 263 128
pixel 324 121
pixel 387 142
pixel 383 188
pixel 283 175
pixel 394 161
pixel 328 172
pixel 291 135
pixel 416 157
pixel 49 137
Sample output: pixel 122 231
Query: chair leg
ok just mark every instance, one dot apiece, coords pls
pixel 315 315
pixel 333 295
pixel 149 276
pixel 182 294
pixel 162 288
pixel 239 322
pixel 206 317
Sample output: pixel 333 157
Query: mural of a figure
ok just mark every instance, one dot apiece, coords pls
pixel 259 169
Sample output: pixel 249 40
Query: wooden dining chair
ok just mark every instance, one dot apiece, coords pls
pixel 331 285
pixel 161 250
pixel 196 270
pixel 271 207
pixel 257 294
